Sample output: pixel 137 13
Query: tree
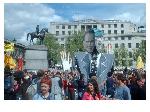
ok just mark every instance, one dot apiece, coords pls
pixel 103 49
pixel 140 51
pixel 53 48
pixel 121 56
pixel 74 43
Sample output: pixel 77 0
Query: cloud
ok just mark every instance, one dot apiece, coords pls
pixel 135 13
pixel 78 17
pixel 19 19
pixel 81 17
pixel 137 19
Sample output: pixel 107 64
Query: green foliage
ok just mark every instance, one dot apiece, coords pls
pixel 53 48
pixel 103 49
pixel 121 56
pixel 74 43
pixel 140 51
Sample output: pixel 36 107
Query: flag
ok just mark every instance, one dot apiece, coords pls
pixel 9 47
pixel 139 63
pixel 9 61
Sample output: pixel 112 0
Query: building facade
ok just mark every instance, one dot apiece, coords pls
pixel 116 32
pixel 109 27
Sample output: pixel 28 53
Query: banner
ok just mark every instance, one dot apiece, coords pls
pixel 9 61
pixel 139 63
pixel 9 47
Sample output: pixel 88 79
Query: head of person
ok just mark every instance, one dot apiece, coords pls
pixel 120 78
pixel 89 41
pixel 140 81
pixel 58 74
pixel 92 86
pixel 40 73
pixel 45 85
pixel 94 77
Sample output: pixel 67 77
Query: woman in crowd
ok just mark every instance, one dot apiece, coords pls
pixel 92 92
pixel 45 85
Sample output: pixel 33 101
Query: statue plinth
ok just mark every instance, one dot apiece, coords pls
pixel 36 57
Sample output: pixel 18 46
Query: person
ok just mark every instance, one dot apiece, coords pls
pixel 90 61
pixel 57 86
pixel 44 94
pixel 8 84
pixel 71 87
pixel 24 82
pixel 138 90
pixel 81 87
pixel 110 85
pixel 122 92
pixel 92 92
pixel 35 85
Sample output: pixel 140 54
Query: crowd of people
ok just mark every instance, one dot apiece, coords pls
pixel 57 85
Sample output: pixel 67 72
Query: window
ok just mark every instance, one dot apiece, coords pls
pixel 63 32
pixel 82 27
pixel 115 31
pixel 122 38
pixel 57 27
pixel 137 45
pixel 122 25
pixel 122 45
pixel 102 26
pixel 109 31
pixel 69 26
pixel 63 26
pixel 116 38
pixel 88 27
pixel 62 39
pixel 130 54
pixel 109 38
pixel 57 33
pixel 129 38
pixel 122 31
pixel 115 25
pixel 109 25
pixel 75 26
pixel 69 32
pixel 94 26
pixel 129 45
pixel 116 45
pixel 62 45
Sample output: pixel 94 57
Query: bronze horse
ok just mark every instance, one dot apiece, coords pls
pixel 40 36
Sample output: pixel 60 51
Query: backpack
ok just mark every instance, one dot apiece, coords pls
pixel 32 89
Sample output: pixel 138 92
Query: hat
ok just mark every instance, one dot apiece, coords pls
pixel 46 80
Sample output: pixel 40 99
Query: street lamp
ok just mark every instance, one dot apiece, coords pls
pixel 14 40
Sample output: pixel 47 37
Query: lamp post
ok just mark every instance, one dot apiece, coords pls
pixel 14 40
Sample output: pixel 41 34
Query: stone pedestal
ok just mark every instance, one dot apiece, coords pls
pixel 36 57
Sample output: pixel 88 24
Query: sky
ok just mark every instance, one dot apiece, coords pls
pixel 22 18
